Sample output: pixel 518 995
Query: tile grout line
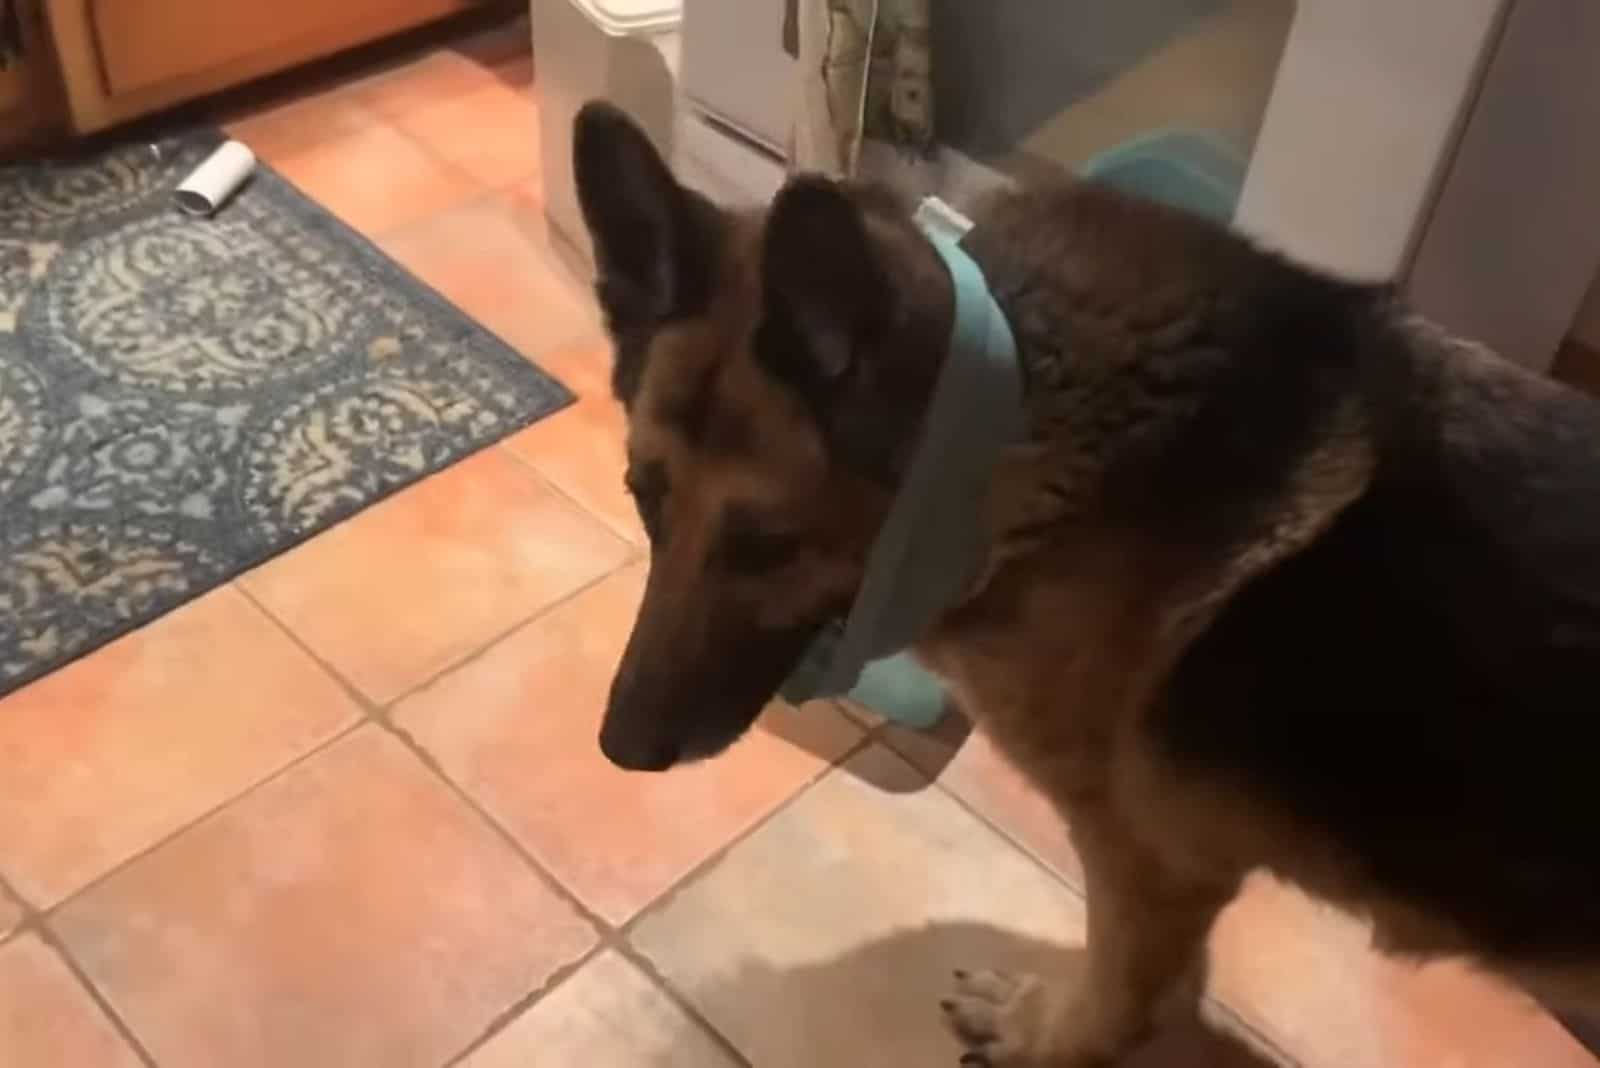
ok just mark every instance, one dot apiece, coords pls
pixel 368 708
pixel 612 936
pixel 481 191
pixel 102 1001
pixel 533 468
pixel 378 710
pixel 608 935
pixel 379 235
pixel 715 859
pixel 7 890
pixel 188 825
pixel 1010 838
pixel 382 711
pixel 539 475
pixel 356 100
pixel 881 735
pixel 513 1012
pixel 29 918
pixel 379 715
pixel 439 158
pixel 482 196
pixel 624 934
pixel 353 98
pixel 653 975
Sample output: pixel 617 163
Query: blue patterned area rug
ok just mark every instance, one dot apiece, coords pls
pixel 181 399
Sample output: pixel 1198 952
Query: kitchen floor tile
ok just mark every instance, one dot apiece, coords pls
pixel 969 766
pixel 352 912
pixel 47 1020
pixel 517 728
pixel 1306 976
pixel 107 756
pixel 608 1015
pixel 829 936
pixel 491 134
pixel 411 83
pixel 489 259
pixel 583 451
pixel 417 582
pixel 10 915
pixel 374 177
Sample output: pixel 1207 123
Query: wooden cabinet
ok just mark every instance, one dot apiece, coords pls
pixel 30 100
pixel 123 58
pixel 15 90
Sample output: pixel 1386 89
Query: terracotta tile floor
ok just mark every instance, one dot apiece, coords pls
pixel 349 810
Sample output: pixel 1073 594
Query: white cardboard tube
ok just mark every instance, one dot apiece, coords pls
pixel 215 180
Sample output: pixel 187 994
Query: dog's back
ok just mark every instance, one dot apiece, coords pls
pixel 1411 676
pixel 1421 681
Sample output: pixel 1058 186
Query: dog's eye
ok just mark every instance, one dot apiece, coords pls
pixel 748 547
pixel 756 552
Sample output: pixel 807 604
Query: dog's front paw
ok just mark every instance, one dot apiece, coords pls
pixel 1015 1022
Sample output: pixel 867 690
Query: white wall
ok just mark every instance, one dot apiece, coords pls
pixel 1361 126
pixel 1514 235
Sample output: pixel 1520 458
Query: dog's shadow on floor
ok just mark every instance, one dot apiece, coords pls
pixel 808 728
pixel 877 1005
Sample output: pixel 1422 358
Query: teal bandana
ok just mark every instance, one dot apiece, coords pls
pixel 933 541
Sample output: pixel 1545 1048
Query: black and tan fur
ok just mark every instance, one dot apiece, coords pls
pixel 1281 578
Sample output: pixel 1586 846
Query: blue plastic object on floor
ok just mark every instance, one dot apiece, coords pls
pixel 1188 170
pixel 933 541
pixel 901 689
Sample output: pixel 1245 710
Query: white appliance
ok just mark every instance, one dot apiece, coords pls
pixel 1451 145
pixel 737 82
pixel 625 51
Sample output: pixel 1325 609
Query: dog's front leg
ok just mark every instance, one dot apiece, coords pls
pixel 1147 933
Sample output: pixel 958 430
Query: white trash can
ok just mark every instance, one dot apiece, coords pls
pixel 624 51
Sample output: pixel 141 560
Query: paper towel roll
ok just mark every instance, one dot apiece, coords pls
pixel 215 180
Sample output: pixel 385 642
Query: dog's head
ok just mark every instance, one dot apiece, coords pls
pixel 774 366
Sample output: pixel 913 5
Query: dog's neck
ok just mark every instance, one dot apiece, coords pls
pixel 1136 333
pixel 934 542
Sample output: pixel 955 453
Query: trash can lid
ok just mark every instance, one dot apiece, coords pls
pixel 626 17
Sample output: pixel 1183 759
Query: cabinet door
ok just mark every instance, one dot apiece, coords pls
pixel 147 43
pixel 123 58
pixel 29 98
pixel 13 89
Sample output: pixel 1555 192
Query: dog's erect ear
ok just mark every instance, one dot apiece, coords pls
pixel 827 295
pixel 655 241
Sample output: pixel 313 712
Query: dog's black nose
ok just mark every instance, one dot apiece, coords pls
pixel 638 754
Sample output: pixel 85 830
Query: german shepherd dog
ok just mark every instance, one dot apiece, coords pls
pixel 1280 578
